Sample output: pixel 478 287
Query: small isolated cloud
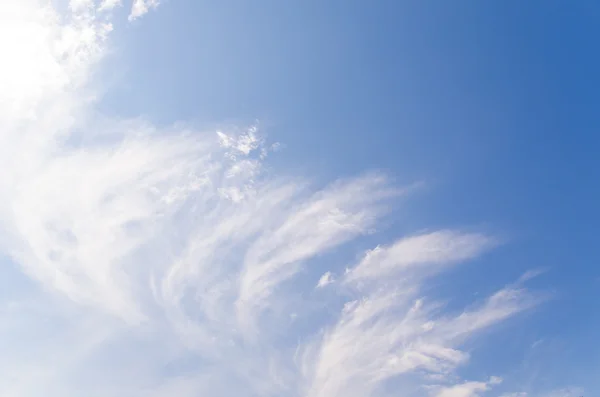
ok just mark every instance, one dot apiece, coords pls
pixel 325 280
pixel 531 274
pixel 564 392
pixel 467 389
pixel 537 343
pixel 495 380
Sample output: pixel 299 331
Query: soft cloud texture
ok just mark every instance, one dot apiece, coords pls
pixel 163 262
pixel 325 280
pixel 141 7
pixel 106 5
pixel 565 392
pixel 467 389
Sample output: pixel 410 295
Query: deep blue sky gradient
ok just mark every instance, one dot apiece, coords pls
pixel 494 104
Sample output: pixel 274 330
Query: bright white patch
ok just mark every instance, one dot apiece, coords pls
pixel 325 280
pixel 467 389
pixel 141 7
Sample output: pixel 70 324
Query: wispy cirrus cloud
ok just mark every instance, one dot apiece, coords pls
pixel 467 389
pixel 391 331
pixel 563 392
pixel 418 254
pixel 162 258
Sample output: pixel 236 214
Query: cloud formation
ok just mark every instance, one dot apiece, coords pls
pixel 468 389
pixel 564 392
pixel 141 7
pixel 163 262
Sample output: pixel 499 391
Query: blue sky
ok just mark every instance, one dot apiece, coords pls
pixel 299 199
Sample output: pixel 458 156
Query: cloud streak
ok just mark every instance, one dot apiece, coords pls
pixel 391 331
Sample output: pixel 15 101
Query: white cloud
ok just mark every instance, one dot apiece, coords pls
pixel 495 380
pixel 325 220
pixel 392 332
pixel 141 7
pixel 418 254
pixel 564 392
pixel 467 389
pixel 80 5
pixel 531 274
pixel 164 262
pixel 325 280
pixel 107 5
